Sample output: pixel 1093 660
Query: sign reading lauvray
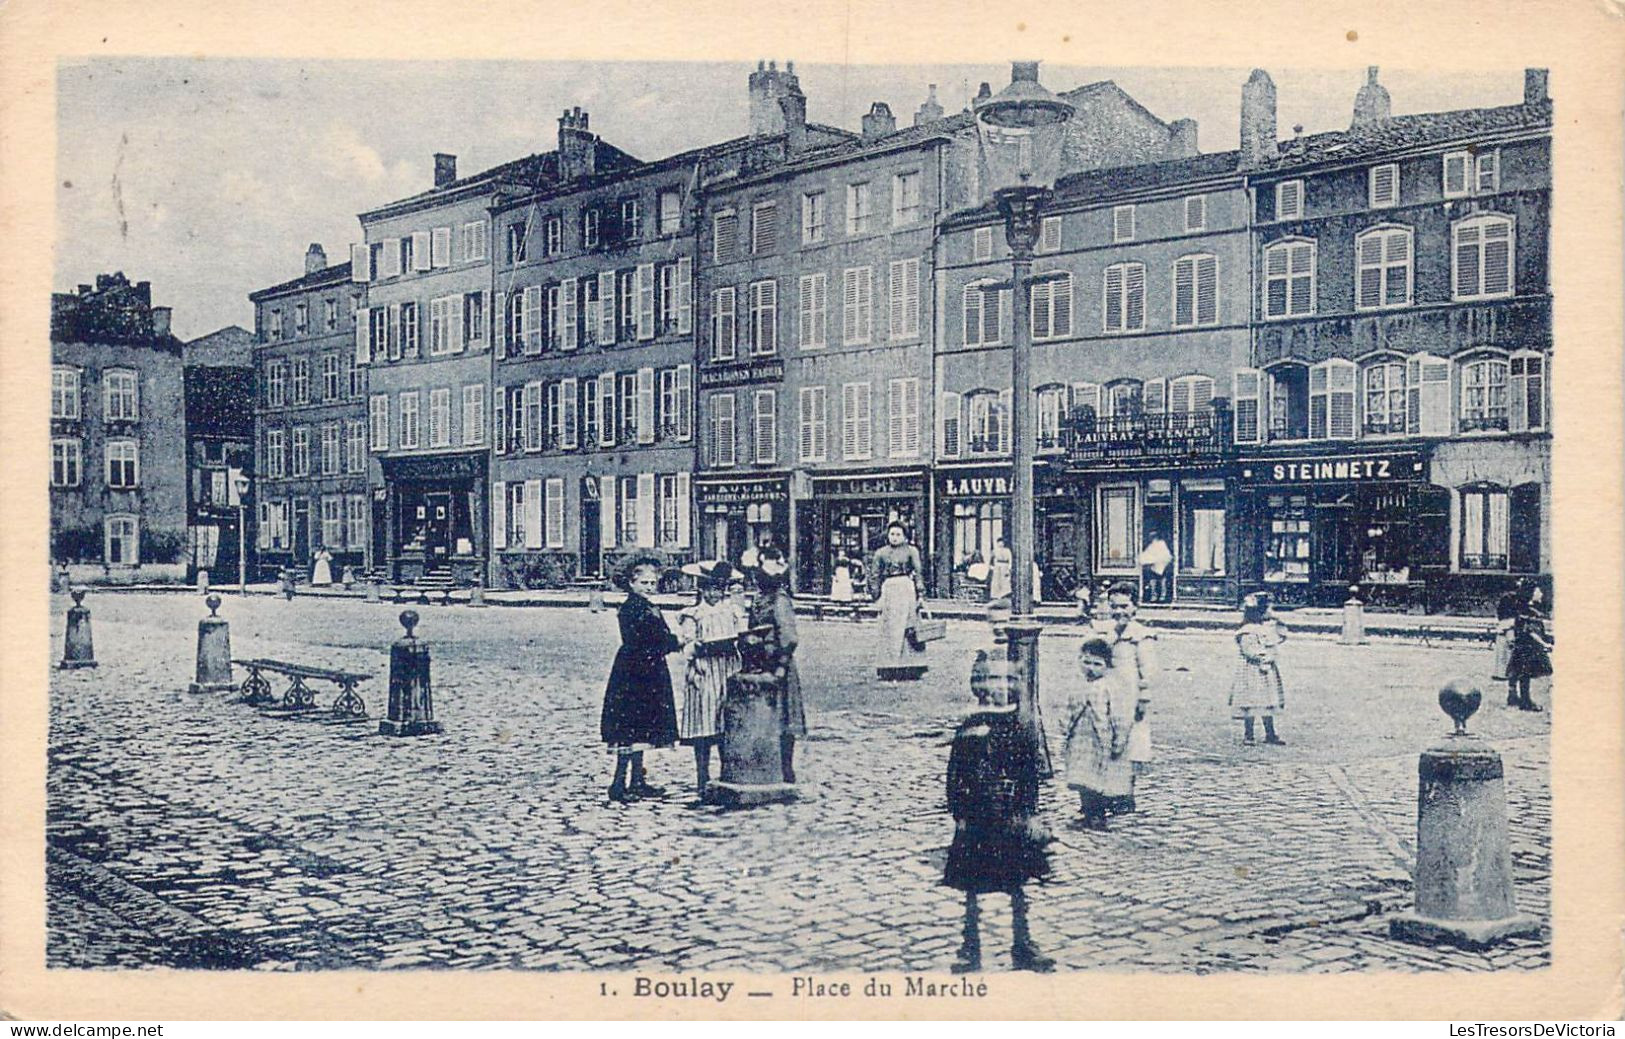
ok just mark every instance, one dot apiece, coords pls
pixel 742 374
pixel 976 487
pixel 1341 469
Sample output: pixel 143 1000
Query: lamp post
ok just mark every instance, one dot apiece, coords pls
pixel 239 491
pixel 1021 131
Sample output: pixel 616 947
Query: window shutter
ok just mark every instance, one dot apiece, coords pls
pixel 973 314
pixel 1455 173
pixel 1114 298
pixel 1384 185
pixel 646 510
pixel 911 417
pixel 531 332
pixel 849 420
pixel 1246 384
pixel 363 334
pixel 1498 258
pixel 608 526
pixel 1370 260
pixel 606 409
pixel 894 418
pixel 1061 305
pixel 1005 397
pixel 499 515
pixel 1184 292
pixel 569 394
pixel 1518 391
pixel 952 422
pixel 1049 235
pixel 533 514
pixel 606 307
pixel 1179 396
pixel 804 311
pixel 644 279
pixel 454 306
pixel 500 325
pixel 1467 261
pixel 360 262
pixel 646 405
pixel 1155 396
pixel 1340 379
pixel 1134 312
pixel 555 512
pixel 1427 381
pixel 440 248
pixel 684 536
pixel 1038 304
pixel 896 287
pixel 767 426
pixel 569 296
pixel 685 295
pixel 420 251
pixel 1207 290
pixel 865 420
pixel 499 419
pixel 804 424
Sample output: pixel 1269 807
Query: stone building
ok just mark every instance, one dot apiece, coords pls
pixel 219 387
pixel 310 422
pixel 1402 353
pixel 118 438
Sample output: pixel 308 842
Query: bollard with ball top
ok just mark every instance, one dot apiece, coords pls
pixel 476 595
pixel 348 578
pixel 411 706
pixel 1463 874
pixel 77 650
pixel 213 652
pixel 287 583
pixel 372 590
pixel 1353 619
pixel 595 598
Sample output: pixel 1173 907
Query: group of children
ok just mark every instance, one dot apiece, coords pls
pixel 713 635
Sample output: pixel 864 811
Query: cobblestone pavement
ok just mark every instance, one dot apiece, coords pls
pixel 190 830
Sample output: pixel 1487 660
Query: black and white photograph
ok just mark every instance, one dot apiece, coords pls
pixel 764 532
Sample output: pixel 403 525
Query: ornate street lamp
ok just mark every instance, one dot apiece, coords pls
pixel 1022 130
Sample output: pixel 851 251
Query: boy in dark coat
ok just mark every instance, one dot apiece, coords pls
pixel 639 712
pixel 993 796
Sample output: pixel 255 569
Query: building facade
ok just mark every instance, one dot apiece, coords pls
pixel 118 492
pixel 1402 354
pixel 1139 315
pixel 310 422
pixel 220 401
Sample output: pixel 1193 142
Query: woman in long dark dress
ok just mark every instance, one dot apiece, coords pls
pixel 774 609
pixel 639 713
pixel 1531 651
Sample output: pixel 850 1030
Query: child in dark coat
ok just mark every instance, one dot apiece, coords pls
pixel 639 713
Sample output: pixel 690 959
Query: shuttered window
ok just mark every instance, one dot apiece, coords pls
pixel 857 310
pixel 982 314
pixel 856 426
pixel 1196 291
pixel 903 418
pixel 1289 279
pixel 982 244
pixel 765 418
pixel 764 318
pixel 1383 256
pixel 725 236
pixel 1247 383
pixel 1051 300
pixel 812 306
pixel 724 324
pixel 1124 295
pixel 1384 398
pixel 1383 186
pixel 1427 396
pixel 951 422
pixel 1483 257
pixel 1289 200
pixel 1528 392
pixel 764 228
pixel 813 425
pixel 1196 213
pixel 904 297
pixel 1122 223
pixel 722 437
pixel 1331 400
pixel 1049 235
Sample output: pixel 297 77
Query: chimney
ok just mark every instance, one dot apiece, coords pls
pixel 445 169
pixel 1534 86
pixel 930 111
pixel 1258 120
pixel 1182 139
pixel 160 321
pixel 315 258
pixel 1371 104
pixel 984 92
pixel 777 105
pixel 578 148
pixel 879 122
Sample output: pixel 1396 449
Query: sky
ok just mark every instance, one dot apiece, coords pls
pixel 210 177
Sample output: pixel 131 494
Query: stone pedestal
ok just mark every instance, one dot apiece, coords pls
pixel 411 705
pixel 1353 622
pixel 77 650
pixel 213 652
pixel 348 578
pixel 1022 653
pixel 752 769
pixel 1463 857
pixel 476 595
pixel 372 590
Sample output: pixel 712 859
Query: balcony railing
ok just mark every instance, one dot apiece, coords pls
pixel 1164 435
pixel 1484 423
pixel 1376 427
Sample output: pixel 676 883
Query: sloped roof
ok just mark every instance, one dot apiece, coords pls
pixel 1410 131
pixel 532 171
pixel 339 272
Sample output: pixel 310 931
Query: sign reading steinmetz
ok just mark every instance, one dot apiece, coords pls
pixel 1344 469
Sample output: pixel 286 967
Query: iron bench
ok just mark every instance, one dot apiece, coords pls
pixel 299 697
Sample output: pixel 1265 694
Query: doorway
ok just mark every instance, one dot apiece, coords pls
pixel 437 528
pixel 591 533
pixel 301 530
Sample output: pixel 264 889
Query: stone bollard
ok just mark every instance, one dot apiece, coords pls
pixel 348 578
pixel 287 584
pixel 411 706
pixel 372 590
pixel 752 769
pixel 203 582
pixel 476 595
pixel 213 652
pixel 1463 855
pixel 77 650
pixel 1353 619
pixel 595 599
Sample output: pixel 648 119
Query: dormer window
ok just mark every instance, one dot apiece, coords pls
pixel 1289 200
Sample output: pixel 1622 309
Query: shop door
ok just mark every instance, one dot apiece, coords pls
pixel 1057 564
pixel 437 529
pixel 301 530
pixel 591 532
pixel 380 529
pixel 1334 554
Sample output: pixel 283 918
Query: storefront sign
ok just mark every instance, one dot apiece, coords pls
pixel 868 486
pixel 976 487
pixel 433 468
pixel 1343 469
pixel 740 491
pixel 742 374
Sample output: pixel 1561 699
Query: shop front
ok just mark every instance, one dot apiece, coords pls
pixel 434 512
pixel 740 512
pixel 1500 528
pixel 1315 524
pixel 848 515
pixel 973 513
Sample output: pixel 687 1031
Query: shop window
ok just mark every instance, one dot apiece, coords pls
pixel 1286 539
pixel 1385 541
pixel 978 528
pixel 1201 533
pixel 1289 402
pixel 1485 527
pixel 1118 528
pixel 1384 398
pixel 1484 395
pixel 1523 534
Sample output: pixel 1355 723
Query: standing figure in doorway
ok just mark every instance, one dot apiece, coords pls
pixel 321 574
pixel 894 580
pixel 709 631
pixel 1156 569
pixel 774 610
pixel 1257 691
pixel 998 578
pixel 1531 651
pixel 638 711
pixel 840 581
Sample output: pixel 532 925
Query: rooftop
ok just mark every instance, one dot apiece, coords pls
pixel 1409 131
pixel 334 275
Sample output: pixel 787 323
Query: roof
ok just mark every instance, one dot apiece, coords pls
pixel 1116 181
pixel 1410 131
pixel 337 273
pixel 532 171
pixel 619 174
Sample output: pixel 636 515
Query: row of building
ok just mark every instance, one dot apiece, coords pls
pixel 1305 363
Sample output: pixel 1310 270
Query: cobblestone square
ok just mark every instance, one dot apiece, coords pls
pixel 192 830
